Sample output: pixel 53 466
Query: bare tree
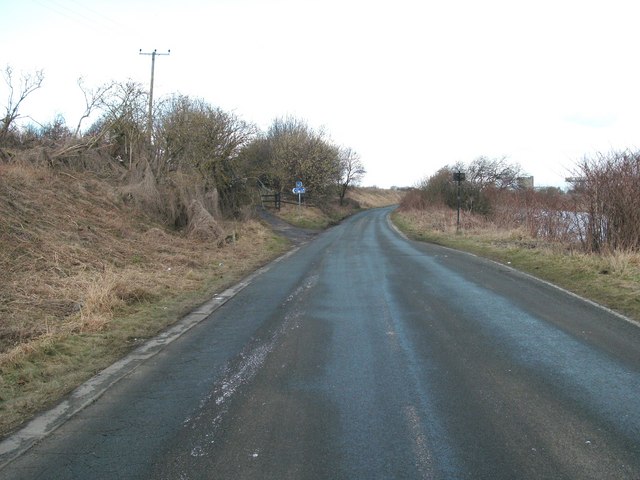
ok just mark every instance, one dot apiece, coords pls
pixel 123 121
pixel 351 169
pixel 55 133
pixel 298 152
pixel 484 172
pixel 194 136
pixel 609 201
pixel 29 82
pixel 485 178
pixel 93 99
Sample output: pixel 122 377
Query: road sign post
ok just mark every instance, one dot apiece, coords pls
pixel 299 190
pixel 458 177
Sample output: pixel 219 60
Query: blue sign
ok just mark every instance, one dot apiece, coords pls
pixel 299 184
pixel 299 190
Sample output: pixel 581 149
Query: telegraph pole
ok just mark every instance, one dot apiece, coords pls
pixel 153 66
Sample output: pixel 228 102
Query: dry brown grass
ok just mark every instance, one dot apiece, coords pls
pixel 73 254
pixel 55 238
pixel 443 220
pixel 332 213
pixel 611 278
pixel 82 272
pixel 371 197
pixel 304 216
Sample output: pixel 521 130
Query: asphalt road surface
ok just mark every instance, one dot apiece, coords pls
pixel 367 356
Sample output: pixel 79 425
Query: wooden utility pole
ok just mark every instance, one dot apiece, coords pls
pixel 153 66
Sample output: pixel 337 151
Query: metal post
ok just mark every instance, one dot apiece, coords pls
pixel 458 222
pixel 458 177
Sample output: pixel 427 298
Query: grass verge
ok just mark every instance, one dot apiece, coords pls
pixel 612 279
pixel 311 218
pixel 357 198
pixel 36 374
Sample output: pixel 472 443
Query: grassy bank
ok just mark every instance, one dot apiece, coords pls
pixel 612 279
pixel 316 218
pixel 85 278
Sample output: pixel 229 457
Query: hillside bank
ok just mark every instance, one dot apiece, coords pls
pixel 86 277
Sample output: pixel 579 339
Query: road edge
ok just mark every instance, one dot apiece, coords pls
pixel 45 423
pixel 525 274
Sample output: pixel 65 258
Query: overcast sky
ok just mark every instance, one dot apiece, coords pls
pixel 410 85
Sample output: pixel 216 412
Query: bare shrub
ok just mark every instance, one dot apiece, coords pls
pixel 291 150
pixel 352 170
pixel 413 200
pixel 543 213
pixel 527 214
pixel 486 180
pixel 609 198
pixel 18 92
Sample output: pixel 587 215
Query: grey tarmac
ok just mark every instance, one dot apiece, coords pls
pixel 363 355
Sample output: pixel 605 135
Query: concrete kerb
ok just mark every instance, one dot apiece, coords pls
pixel 47 422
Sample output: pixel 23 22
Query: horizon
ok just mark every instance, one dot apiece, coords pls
pixel 411 86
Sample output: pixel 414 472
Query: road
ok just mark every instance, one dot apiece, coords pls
pixel 368 356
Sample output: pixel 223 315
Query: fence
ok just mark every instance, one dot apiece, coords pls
pixel 275 200
pixel 268 199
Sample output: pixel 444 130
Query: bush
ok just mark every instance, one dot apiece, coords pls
pixel 608 193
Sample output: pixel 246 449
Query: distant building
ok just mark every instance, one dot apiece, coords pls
pixel 525 182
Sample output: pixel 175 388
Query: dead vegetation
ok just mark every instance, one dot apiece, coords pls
pixel 314 217
pixel 586 240
pixel 372 197
pixel 608 192
pixel 108 234
pixel 82 268
pixel 73 253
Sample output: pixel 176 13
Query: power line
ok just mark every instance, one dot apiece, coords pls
pixel 88 18
pixel 101 16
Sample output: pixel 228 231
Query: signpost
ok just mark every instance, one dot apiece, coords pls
pixel 299 190
pixel 458 177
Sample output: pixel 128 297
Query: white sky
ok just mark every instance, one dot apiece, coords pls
pixel 410 85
